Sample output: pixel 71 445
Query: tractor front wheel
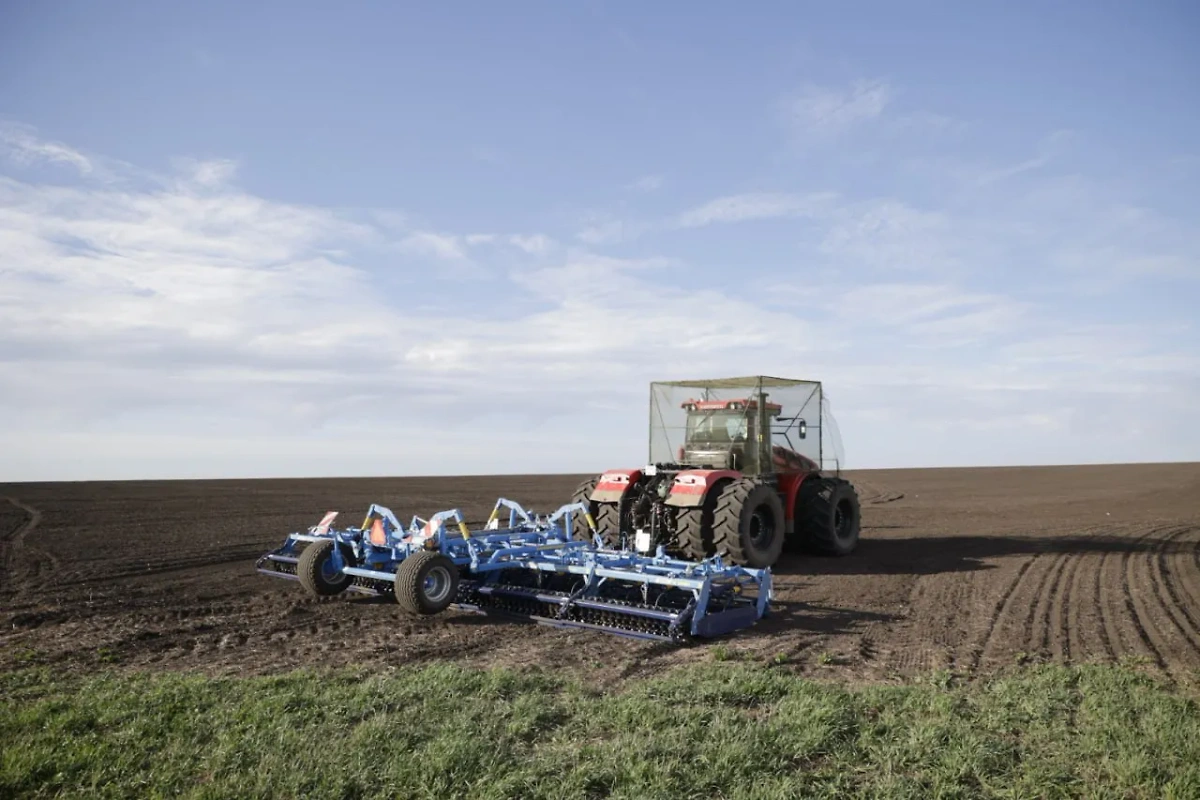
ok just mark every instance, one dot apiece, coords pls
pixel 605 515
pixel 694 526
pixel 828 517
pixel 583 494
pixel 748 524
pixel 608 523
pixel 317 573
pixel 426 583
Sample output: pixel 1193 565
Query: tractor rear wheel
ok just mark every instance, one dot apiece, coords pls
pixel 828 516
pixel 316 571
pixel 748 525
pixel 426 582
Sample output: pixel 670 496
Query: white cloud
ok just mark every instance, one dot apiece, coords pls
pixel 926 123
pixel 906 303
pixel 603 231
pixel 1048 149
pixel 533 245
pixel 211 173
pixel 24 147
pixel 438 245
pixel 753 206
pixel 826 109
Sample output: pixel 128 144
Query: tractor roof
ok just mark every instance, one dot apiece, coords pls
pixel 733 404
pixel 749 382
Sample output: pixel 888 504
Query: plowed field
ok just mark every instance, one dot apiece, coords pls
pixel 966 569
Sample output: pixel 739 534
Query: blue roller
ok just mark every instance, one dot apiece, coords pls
pixel 535 567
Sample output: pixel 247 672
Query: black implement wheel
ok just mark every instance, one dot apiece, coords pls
pixel 426 583
pixel 316 571
pixel 828 517
pixel 748 525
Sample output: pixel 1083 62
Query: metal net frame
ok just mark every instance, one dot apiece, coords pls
pixel 757 424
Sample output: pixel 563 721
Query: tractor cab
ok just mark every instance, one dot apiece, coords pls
pixel 757 425
pixel 723 434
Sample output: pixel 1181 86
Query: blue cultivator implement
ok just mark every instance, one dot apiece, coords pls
pixel 539 568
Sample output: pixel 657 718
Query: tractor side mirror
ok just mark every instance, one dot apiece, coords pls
pixel 802 427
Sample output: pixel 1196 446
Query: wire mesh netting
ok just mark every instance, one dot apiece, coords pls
pixel 755 424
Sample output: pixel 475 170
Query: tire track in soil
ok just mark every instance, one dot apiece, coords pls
pixel 1056 615
pixel 15 546
pixel 1037 619
pixel 1110 638
pixel 910 647
pixel 1050 606
pixel 1177 612
pixel 1084 638
pixel 874 495
pixel 1000 611
pixel 1187 570
pixel 1135 605
pixel 1064 643
pixel 219 558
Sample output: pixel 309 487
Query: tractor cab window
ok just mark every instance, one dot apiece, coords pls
pixel 718 427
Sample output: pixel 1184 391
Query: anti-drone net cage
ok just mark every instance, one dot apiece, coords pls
pixel 755 424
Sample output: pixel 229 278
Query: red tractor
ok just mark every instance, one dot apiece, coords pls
pixel 730 474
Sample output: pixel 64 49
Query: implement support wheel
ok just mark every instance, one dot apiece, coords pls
pixel 316 571
pixel 426 583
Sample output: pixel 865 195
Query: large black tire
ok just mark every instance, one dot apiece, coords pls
pixel 314 573
pixel 748 524
pixel 694 527
pixel 828 516
pixel 583 494
pixel 692 536
pixel 604 514
pixel 608 523
pixel 426 583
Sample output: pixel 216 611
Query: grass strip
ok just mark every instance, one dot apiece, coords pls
pixel 721 730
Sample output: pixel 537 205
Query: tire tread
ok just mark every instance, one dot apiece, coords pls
pixel 408 581
pixel 727 518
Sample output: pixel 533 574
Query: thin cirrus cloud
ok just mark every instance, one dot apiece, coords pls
pixel 25 147
pixel 829 109
pixel 648 183
pixel 752 206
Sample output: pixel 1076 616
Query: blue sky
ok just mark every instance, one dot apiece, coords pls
pixel 374 239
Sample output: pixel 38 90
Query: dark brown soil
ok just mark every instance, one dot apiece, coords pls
pixel 966 569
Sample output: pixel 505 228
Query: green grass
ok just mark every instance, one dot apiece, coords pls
pixel 724 730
